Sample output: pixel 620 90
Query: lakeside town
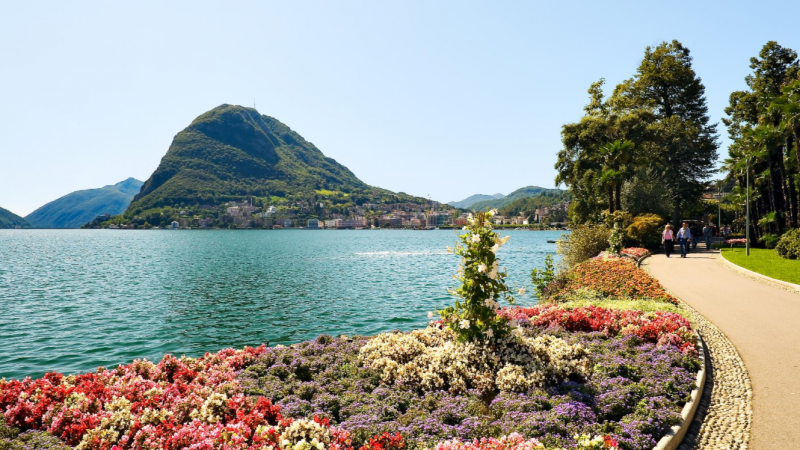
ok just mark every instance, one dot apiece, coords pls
pixel 247 214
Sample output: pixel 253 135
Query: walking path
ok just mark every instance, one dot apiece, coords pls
pixel 763 322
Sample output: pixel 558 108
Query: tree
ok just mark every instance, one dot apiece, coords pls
pixel 684 141
pixel 761 123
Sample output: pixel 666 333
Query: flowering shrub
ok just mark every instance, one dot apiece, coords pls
pixel 175 404
pixel 662 328
pixel 614 277
pixel 736 241
pixel 432 359
pixel 473 316
pixel 636 252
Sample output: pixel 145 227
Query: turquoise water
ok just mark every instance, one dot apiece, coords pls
pixel 73 300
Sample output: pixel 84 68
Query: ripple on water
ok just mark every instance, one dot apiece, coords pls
pixel 73 300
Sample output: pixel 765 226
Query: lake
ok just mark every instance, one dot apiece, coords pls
pixel 73 300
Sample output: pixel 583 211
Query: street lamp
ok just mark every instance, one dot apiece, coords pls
pixel 747 221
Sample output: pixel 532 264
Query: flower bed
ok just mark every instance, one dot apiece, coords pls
pixel 663 328
pixel 633 391
pixel 617 277
pixel 636 252
pixel 176 404
pixel 737 241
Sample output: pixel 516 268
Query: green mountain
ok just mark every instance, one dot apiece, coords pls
pixel 11 220
pixel 471 200
pixel 232 152
pixel 80 207
pixel 528 191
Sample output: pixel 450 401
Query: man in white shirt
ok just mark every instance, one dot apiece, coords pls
pixel 685 238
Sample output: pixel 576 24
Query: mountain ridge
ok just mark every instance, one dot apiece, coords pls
pixel 11 220
pixel 79 207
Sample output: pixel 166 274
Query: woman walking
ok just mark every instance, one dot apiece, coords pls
pixel 668 240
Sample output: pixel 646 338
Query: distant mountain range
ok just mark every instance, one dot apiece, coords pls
pixel 472 199
pixel 481 202
pixel 231 152
pixel 11 220
pixel 80 207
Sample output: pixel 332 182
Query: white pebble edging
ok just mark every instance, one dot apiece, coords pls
pixel 673 439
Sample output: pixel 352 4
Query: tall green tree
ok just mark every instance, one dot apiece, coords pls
pixel 760 123
pixel 683 139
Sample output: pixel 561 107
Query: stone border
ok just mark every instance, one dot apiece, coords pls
pixel 785 285
pixel 674 437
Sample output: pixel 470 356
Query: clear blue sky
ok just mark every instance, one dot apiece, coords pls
pixel 445 99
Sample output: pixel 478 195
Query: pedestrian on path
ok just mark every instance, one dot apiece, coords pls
pixel 668 240
pixel 685 239
pixel 707 231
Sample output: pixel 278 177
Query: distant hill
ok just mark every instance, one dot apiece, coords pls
pixel 11 220
pixel 471 200
pixel 80 207
pixel 232 152
pixel 528 191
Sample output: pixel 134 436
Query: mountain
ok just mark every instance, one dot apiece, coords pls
pixel 471 200
pixel 11 220
pixel 528 191
pixel 233 153
pixel 80 207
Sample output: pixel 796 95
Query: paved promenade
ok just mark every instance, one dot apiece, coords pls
pixel 763 322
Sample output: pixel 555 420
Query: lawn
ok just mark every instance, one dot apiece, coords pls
pixel 765 262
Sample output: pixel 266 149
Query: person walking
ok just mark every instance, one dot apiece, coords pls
pixel 685 239
pixel 707 232
pixel 668 240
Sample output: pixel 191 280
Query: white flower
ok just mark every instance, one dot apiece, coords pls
pixel 495 248
pixel 489 333
pixel 494 212
pixel 464 324
pixel 521 291
pixel 430 314
pixel 504 240
pixel 464 228
pixel 493 273
pixel 476 238
pixel 482 268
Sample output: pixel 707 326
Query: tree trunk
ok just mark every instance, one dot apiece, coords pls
pixel 611 199
pixel 776 184
pixel 619 196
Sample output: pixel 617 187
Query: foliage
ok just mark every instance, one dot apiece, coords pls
pixel 529 205
pixel 616 240
pixel 765 262
pixel 473 317
pixel 521 193
pixel 769 240
pixel 645 230
pixel 663 328
pixel 81 207
pixel 11 220
pixel 617 277
pixel 324 377
pixel 232 152
pixel 12 439
pixel 662 113
pixel 586 297
pixel 431 359
pixel 635 252
pixel 764 124
pixel 789 245
pixel 583 243
pixel 541 278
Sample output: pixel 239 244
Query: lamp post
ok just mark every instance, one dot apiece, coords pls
pixel 747 221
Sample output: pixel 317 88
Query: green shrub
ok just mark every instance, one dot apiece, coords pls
pixel 585 242
pixel 789 244
pixel 769 240
pixel 645 231
pixel 541 278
